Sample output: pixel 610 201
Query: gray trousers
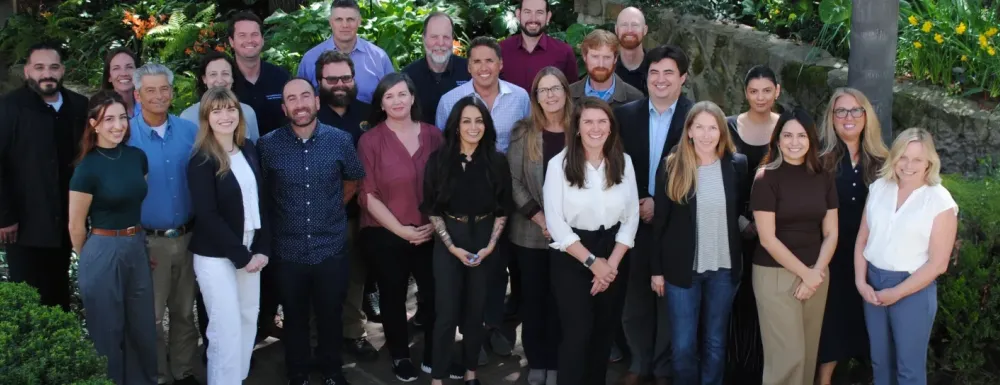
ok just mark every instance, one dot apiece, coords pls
pixel 117 289
pixel 644 318
pixel 174 289
pixel 899 333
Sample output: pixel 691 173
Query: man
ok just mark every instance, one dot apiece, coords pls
pixel 600 52
pixel 311 171
pixel 532 49
pixel 653 127
pixel 40 126
pixel 341 109
pixel 370 61
pixel 258 84
pixel 439 71
pixel 631 30
pixel 167 141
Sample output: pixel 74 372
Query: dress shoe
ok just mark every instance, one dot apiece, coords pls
pixel 499 343
pixel 361 348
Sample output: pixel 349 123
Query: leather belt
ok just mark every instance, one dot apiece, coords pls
pixel 131 231
pixel 465 218
pixel 170 233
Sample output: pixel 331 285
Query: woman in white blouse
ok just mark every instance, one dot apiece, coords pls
pixel 592 214
pixel 904 244
pixel 231 240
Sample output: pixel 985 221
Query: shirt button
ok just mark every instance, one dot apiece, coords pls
pixel 307 168
pixel 306 151
pixel 308 236
pixel 852 198
pixel 307 220
pixel 307 185
pixel 307 203
pixel 168 161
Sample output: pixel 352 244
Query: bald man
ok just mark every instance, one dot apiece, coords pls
pixel 631 30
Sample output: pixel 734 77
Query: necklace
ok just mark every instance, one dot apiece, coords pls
pixel 106 155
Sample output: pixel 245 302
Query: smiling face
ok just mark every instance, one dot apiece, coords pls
pixel 551 95
pixel 630 28
pixel 532 17
pixel 44 72
pixel 120 72
pixel 247 40
pixel 156 94
pixel 600 63
pixel 472 127
pixel 912 166
pixel 761 93
pixel 397 101
pixel 218 73
pixel 665 80
pixel 344 23
pixel 704 133
pixel 848 126
pixel 224 119
pixel 793 142
pixel 299 102
pixel 112 127
pixel 485 66
pixel 337 85
pixel 438 39
pixel 595 127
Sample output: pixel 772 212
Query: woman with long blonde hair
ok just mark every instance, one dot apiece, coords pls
pixel 231 240
pixel 697 268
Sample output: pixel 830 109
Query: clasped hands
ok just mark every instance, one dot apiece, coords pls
pixel 417 235
pixel 604 274
pixel 469 259
pixel 811 280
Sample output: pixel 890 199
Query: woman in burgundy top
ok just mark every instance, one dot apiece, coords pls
pixel 394 233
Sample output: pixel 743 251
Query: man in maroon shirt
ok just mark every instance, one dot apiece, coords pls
pixel 526 53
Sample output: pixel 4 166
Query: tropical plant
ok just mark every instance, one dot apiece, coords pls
pixel 397 27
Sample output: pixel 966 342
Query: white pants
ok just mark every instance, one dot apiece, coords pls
pixel 232 300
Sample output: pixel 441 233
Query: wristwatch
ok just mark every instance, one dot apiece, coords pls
pixel 589 261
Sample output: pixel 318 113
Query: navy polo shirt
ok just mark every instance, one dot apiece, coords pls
pixel 354 122
pixel 432 85
pixel 264 96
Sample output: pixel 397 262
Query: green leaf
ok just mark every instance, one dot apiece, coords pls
pixel 834 11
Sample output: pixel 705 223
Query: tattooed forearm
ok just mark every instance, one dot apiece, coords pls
pixel 498 225
pixel 442 231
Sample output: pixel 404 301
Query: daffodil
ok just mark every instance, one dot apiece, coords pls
pixel 983 42
pixel 992 32
pixel 918 44
pixel 938 38
pixel 991 51
pixel 913 20
pixel 961 28
pixel 926 27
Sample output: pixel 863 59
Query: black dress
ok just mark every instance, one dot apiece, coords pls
pixel 844 333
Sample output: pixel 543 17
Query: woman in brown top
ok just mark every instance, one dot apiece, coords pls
pixel 794 202
pixel 394 233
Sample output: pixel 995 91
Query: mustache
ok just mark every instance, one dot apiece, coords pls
pixel 54 80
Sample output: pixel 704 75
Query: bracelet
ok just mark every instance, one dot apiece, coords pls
pixel 589 261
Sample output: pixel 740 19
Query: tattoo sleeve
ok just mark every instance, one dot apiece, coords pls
pixel 441 231
pixel 498 225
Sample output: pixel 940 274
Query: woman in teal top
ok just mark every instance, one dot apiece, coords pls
pixel 115 276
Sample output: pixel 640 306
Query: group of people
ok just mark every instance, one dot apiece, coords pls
pixel 754 248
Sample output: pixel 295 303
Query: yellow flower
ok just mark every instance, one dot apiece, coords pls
pixel 918 44
pixel 961 28
pixel 913 20
pixel 991 32
pixel 938 38
pixel 991 51
pixel 926 27
pixel 982 41
pixel 965 58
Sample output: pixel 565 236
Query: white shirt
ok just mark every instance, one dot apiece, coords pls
pixel 900 240
pixel 161 129
pixel 248 186
pixel 568 207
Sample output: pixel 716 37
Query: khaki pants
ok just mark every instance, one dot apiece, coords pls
pixel 790 329
pixel 354 318
pixel 174 289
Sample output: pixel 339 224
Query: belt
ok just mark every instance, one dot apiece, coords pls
pixel 170 233
pixel 131 231
pixel 465 218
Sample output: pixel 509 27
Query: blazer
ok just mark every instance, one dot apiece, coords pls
pixel 633 119
pixel 623 94
pixel 675 225
pixel 527 178
pixel 218 210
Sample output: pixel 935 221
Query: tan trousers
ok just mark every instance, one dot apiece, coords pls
pixel 174 288
pixel 789 328
pixel 354 318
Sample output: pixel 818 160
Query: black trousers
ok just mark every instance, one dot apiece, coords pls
pixel 540 330
pixel 460 294
pixel 321 288
pixel 45 269
pixel 395 259
pixel 588 322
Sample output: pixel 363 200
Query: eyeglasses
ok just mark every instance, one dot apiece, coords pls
pixel 856 112
pixel 346 79
pixel 554 90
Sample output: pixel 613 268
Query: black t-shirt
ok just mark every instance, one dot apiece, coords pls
pixel 471 191
pixel 636 78
pixel 116 179
pixel 354 121
pixel 264 96
pixel 432 85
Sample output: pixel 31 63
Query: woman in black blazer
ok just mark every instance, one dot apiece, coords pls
pixel 231 240
pixel 697 222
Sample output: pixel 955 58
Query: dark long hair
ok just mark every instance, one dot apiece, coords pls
pixel 388 81
pixel 449 156
pixel 576 158
pixel 210 57
pixel 97 106
pixel 106 82
pixel 774 158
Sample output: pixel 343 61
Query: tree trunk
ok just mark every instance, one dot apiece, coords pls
pixel 284 5
pixel 872 61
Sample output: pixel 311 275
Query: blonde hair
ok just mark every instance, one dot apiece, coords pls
pixel 536 121
pixel 599 38
pixel 873 150
pixel 682 165
pixel 904 139
pixel 205 143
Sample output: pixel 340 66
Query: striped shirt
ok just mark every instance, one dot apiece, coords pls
pixel 511 105
pixel 712 251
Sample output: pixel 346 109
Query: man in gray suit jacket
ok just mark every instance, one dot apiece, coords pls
pixel 600 53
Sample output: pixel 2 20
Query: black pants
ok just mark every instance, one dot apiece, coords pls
pixel 45 269
pixel 540 329
pixel 322 286
pixel 460 294
pixel 395 259
pixel 588 322
pixel 268 302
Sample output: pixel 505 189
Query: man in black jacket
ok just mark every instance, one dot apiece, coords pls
pixel 40 128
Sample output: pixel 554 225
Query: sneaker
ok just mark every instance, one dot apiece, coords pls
pixel 616 354
pixel 500 344
pixel 361 348
pixel 455 371
pixel 404 370
pixel 483 358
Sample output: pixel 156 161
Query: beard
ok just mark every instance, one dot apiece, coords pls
pixel 330 96
pixel 630 40
pixel 48 90
pixel 541 30
pixel 599 74
pixel 305 120
pixel 439 59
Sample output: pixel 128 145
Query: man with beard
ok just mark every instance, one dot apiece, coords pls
pixel 40 126
pixel 258 84
pixel 631 30
pixel 600 52
pixel 311 170
pixel 531 50
pixel 439 71
pixel 340 108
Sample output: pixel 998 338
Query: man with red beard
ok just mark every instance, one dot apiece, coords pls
pixel 600 52
pixel 631 30
pixel 526 53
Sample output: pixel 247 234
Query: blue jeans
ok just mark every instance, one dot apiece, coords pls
pixel 707 303
pixel 900 333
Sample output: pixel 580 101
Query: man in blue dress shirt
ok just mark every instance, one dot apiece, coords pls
pixel 167 141
pixel 311 170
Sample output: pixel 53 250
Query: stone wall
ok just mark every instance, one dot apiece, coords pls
pixel 721 54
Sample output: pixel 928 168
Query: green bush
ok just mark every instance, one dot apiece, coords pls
pixel 42 345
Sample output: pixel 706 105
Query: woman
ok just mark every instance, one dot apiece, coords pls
pixel 592 215
pixel 852 146
pixel 906 238
pixel 467 197
pixel 115 276
pixel 794 203
pixel 535 140
pixel 394 233
pixel 231 242
pixel 697 268
pixel 119 64
pixel 750 131
pixel 216 70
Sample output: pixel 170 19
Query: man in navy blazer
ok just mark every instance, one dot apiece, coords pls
pixel 650 127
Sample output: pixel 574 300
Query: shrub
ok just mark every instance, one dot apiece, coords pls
pixel 42 345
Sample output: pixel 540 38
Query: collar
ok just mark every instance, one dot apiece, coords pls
pixel 144 128
pixel 361 45
pixel 505 87
pixel 449 67
pixel 543 41
pixel 321 130
pixel 652 109
pixel 614 81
